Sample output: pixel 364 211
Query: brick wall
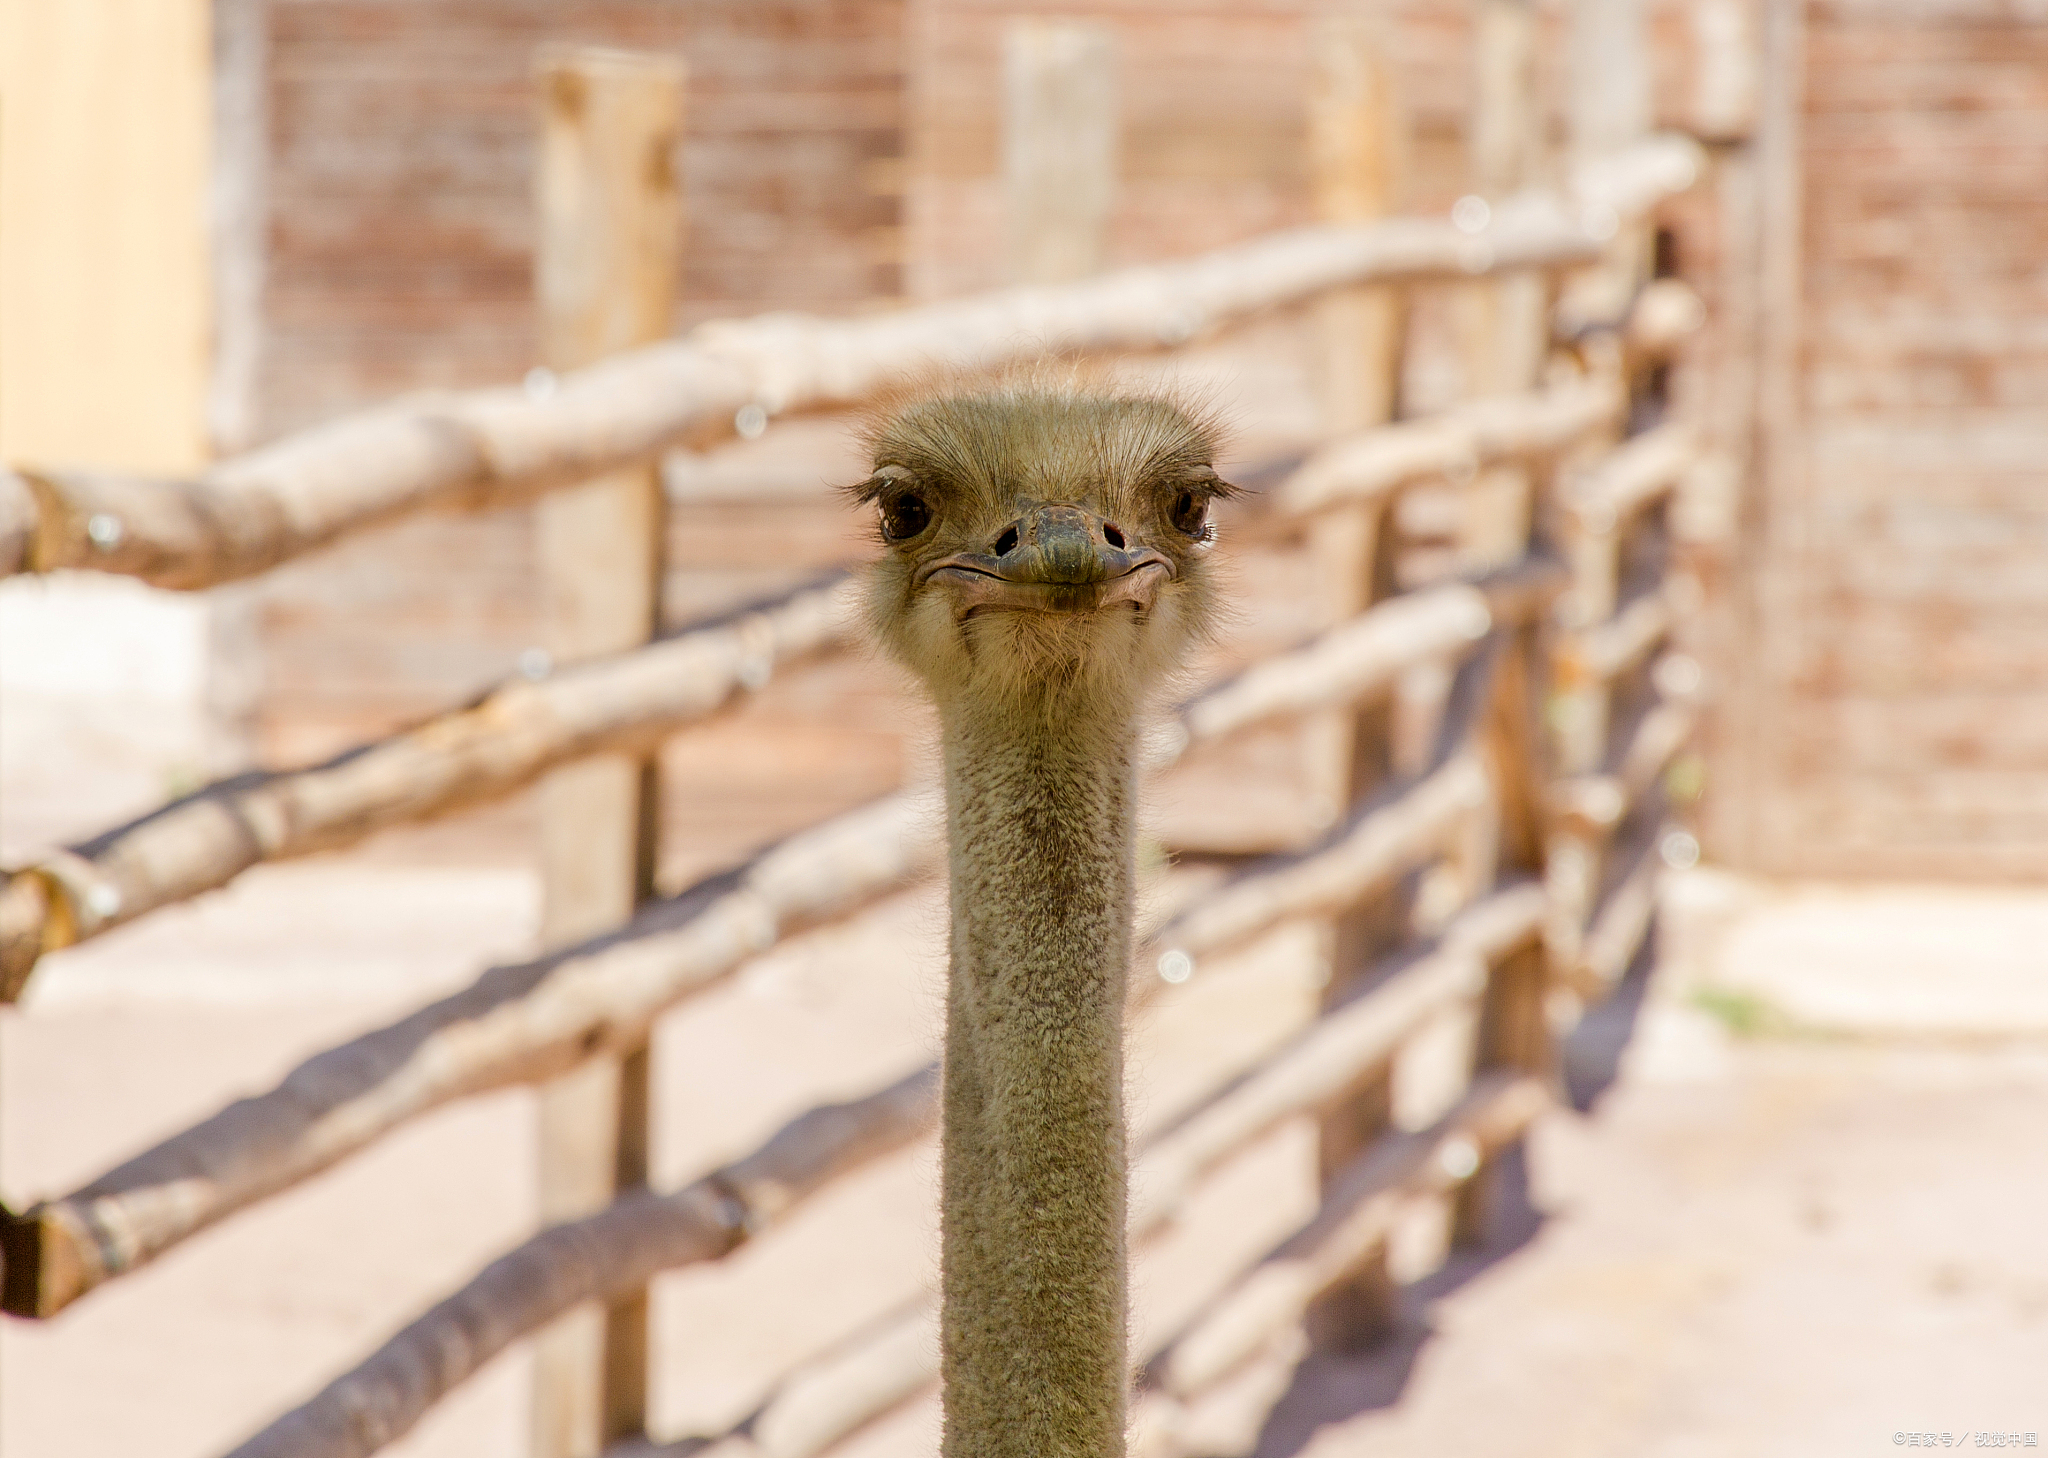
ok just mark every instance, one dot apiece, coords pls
pixel 1213 142
pixel 1899 661
pixel 400 176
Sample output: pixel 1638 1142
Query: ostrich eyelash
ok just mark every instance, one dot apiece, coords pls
pixel 878 485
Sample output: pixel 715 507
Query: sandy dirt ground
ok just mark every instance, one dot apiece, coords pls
pixel 1801 1209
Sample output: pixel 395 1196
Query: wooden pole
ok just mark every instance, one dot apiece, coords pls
pixel 1059 147
pixel 1510 1027
pixel 610 216
pixel 1505 337
pixel 484 449
pixel 483 751
pixel 1504 329
pixel 1358 159
pixel 1581 701
pixel 1506 321
pixel 1609 112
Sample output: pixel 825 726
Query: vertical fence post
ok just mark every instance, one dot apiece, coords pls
pixel 609 249
pixel 1610 108
pixel 1513 1030
pixel 1059 147
pixel 1578 713
pixel 1505 336
pixel 1358 161
pixel 1358 155
pixel 1506 320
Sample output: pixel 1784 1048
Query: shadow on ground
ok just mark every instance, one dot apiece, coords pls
pixel 1330 1387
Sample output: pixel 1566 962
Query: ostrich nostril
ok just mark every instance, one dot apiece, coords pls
pixel 1113 534
pixel 1007 542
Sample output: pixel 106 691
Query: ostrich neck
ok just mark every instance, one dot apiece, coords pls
pixel 1033 1175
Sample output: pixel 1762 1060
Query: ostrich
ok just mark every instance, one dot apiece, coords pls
pixel 1043 567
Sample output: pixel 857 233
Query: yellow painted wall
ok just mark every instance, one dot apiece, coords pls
pixel 105 138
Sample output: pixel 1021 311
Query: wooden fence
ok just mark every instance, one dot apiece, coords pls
pixel 1495 861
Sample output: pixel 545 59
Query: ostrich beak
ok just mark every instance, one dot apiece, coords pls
pixel 1056 558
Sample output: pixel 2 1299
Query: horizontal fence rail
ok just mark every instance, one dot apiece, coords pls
pixel 501 744
pixel 1453 445
pixel 489 448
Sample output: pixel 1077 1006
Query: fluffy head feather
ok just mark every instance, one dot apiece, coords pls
pixel 957 476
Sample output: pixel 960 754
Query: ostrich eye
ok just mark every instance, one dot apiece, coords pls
pixel 903 517
pixel 1191 513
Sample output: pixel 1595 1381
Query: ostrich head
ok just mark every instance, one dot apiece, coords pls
pixel 1045 545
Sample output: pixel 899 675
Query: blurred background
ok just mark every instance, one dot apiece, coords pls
pixel 1798 1210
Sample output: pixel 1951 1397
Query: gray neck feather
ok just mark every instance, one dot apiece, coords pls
pixel 1033 1334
